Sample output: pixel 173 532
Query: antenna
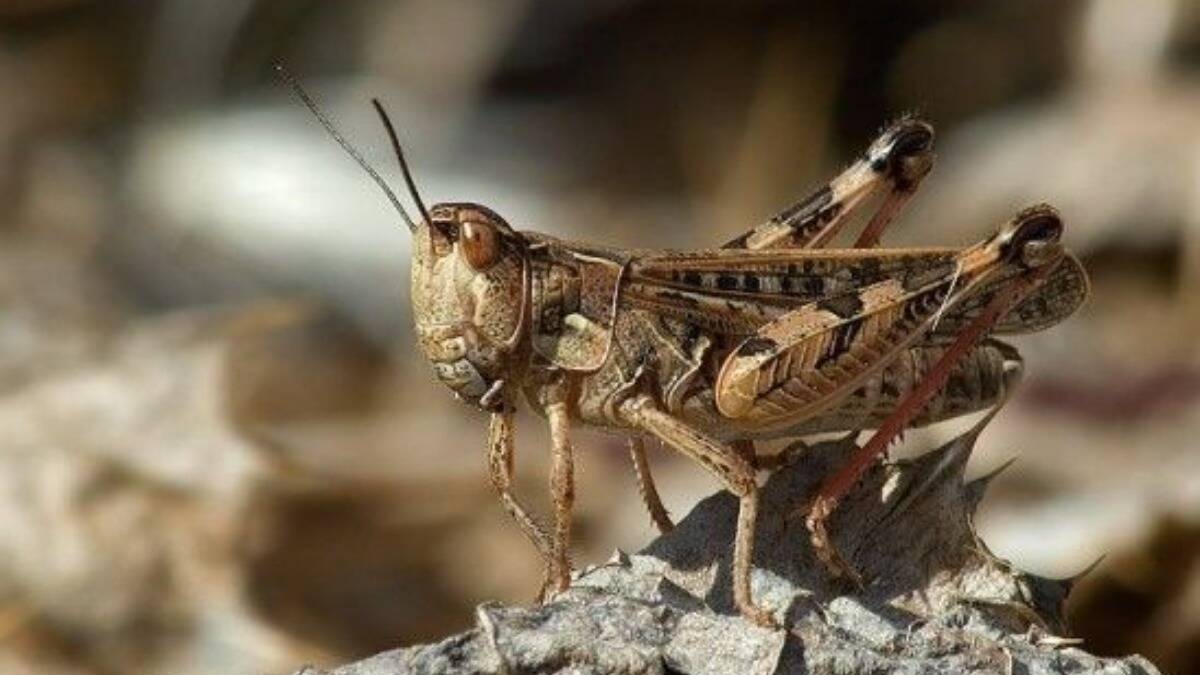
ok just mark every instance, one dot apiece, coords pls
pixel 291 81
pixel 408 179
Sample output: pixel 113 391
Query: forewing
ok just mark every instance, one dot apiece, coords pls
pixel 812 357
pixel 736 292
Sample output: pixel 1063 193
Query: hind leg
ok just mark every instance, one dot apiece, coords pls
pixel 895 164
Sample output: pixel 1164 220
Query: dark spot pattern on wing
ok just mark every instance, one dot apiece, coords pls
pixel 757 345
pixel 845 306
pixel 841 342
pixel 1056 299
pixel 920 277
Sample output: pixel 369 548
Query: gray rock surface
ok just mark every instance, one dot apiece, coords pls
pixel 935 599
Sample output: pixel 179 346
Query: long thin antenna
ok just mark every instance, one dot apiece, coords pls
pixel 291 81
pixel 408 179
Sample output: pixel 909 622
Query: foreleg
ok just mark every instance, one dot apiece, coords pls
pixel 500 463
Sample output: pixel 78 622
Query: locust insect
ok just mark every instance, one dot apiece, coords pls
pixel 709 350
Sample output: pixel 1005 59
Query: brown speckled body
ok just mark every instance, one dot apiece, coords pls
pixel 708 350
pixel 670 340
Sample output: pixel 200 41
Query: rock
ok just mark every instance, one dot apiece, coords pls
pixel 934 600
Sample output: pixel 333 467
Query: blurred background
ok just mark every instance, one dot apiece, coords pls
pixel 219 449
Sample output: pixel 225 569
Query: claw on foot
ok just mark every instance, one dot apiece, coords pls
pixel 758 615
pixel 823 547
pixel 553 583
pixel 549 592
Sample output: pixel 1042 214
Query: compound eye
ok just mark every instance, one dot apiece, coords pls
pixel 480 244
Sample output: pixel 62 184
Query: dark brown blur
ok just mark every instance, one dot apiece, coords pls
pixel 220 451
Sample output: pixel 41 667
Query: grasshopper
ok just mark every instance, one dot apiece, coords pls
pixel 708 350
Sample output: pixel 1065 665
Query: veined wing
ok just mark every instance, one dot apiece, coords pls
pixel 735 292
pixel 814 356
pixel 1063 291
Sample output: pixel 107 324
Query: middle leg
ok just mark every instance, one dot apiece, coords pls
pixel 737 475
